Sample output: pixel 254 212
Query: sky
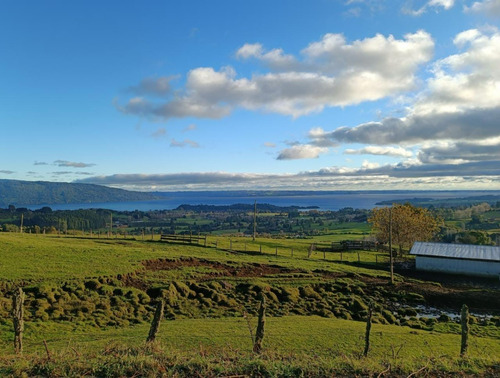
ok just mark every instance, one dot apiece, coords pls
pixel 233 94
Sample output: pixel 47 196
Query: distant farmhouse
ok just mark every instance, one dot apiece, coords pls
pixel 477 260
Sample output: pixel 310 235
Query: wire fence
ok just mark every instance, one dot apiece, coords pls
pixel 298 334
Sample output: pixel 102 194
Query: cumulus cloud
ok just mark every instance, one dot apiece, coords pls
pixel 468 80
pixel 269 145
pixel 184 143
pixel 431 4
pixel 488 7
pixel 461 152
pixel 384 151
pixel 40 163
pixel 474 124
pixel 275 58
pixel 302 151
pixel 461 101
pixel 6 172
pixel 66 163
pixel 332 73
pixel 453 124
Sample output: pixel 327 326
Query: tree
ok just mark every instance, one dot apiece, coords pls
pixel 474 237
pixel 409 224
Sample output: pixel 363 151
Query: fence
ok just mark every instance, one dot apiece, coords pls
pixel 185 239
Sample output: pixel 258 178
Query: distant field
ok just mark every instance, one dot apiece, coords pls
pixel 45 257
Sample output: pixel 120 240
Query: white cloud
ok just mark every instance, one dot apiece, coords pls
pixel 377 150
pixel 275 58
pixel 474 124
pixel 369 165
pixel 488 7
pixel 461 152
pixel 461 101
pixel 431 4
pixel 333 73
pixel 454 124
pixel 483 175
pixel 66 163
pixel 302 151
pixel 469 80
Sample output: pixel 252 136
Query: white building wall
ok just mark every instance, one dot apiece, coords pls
pixel 472 267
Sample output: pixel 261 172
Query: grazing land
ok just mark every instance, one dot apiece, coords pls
pixel 90 300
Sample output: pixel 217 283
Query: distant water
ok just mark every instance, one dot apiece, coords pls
pixel 321 200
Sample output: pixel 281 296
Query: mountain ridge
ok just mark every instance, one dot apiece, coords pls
pixel 26 193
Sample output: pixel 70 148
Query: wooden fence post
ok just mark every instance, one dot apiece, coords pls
pixel 276 253
pixel 358 258
pixel 324 255
pixel 259 333
pixel 155 324
pixel 368 329
pixel 18 319
pixel 464 319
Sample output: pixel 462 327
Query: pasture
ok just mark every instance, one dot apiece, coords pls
pixel 90 301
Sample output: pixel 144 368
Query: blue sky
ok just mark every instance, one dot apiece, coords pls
pixel 193 95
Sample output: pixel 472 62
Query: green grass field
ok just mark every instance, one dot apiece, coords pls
pixel 311 345
pixel 91 300
pixel 49 257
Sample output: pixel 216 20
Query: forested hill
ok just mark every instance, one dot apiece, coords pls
pixel 27 193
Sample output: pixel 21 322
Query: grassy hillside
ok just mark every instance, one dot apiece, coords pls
pixel 92 300
pixel 27 193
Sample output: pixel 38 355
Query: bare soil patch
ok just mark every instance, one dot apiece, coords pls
pixel 220 269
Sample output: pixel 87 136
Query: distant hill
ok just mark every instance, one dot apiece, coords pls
pixel 26 193
pixel 445 202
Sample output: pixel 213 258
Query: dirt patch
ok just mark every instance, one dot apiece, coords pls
pixel 220 269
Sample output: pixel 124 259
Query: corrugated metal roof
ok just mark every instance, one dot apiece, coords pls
pixel 457 251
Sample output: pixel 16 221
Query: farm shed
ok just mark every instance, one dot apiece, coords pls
pixel 477 260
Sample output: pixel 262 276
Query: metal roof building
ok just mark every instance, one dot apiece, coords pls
pixel 478 260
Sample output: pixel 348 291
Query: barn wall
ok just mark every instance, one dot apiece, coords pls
pixel 472 267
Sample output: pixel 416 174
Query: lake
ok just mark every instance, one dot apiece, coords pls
pixel 321 200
